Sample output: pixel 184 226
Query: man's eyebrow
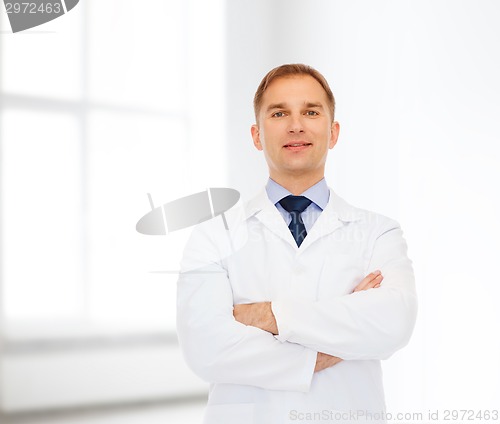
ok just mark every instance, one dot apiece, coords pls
pixel 273 106
pixel 316 105
pixel 276 106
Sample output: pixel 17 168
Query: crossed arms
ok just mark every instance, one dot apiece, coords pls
pixel 279 345
pixel 261 315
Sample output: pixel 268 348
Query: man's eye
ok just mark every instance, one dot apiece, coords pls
pixel 312 113
pixel 278 114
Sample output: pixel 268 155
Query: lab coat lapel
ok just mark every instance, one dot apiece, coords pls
pixel 335 215
pixel 262 209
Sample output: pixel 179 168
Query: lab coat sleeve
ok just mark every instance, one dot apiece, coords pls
pixel 370 324
pixel 218 348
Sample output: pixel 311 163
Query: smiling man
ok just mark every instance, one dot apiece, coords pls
pixel 295 127
pixel 293 324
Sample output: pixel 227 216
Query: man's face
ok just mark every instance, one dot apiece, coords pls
pixel 295 129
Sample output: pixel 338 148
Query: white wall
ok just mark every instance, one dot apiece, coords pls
pixel 95 375
pixel 417 99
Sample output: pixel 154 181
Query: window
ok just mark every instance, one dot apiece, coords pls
pixel 99 108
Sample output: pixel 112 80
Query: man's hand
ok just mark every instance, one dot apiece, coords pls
pixel 371 281
pixel 258 315
pixel 323 361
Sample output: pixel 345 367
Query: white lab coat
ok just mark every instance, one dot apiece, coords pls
pixel 259 378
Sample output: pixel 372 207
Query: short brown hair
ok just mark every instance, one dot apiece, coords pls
pixel 291 70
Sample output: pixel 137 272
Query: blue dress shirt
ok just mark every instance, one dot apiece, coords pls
pixel 319 193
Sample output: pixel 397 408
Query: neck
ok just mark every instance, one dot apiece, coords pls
pixel 296 184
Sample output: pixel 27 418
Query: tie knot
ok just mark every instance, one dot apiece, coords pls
pixel 295 203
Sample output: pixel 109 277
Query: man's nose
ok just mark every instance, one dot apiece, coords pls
pixel 296 124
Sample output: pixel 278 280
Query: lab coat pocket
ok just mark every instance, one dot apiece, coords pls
pixel 230 413
pixel 340 274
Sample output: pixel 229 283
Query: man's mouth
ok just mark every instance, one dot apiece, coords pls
pixel 297 146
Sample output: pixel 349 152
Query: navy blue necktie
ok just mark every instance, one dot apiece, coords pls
pixel 295 205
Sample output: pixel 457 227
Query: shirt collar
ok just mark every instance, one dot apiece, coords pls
pixel 319 193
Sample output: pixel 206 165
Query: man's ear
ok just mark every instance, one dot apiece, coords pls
pixel 256 137
pixel 334 134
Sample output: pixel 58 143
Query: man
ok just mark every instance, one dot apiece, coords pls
pixel 288 312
